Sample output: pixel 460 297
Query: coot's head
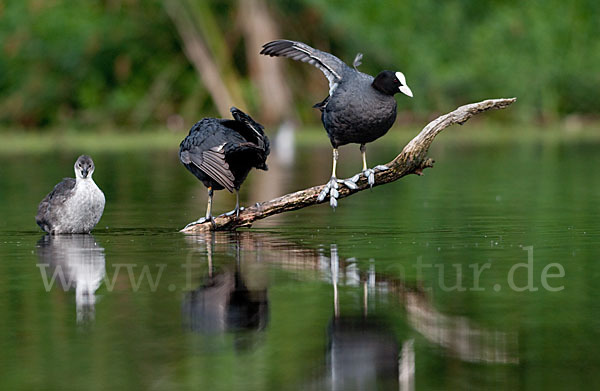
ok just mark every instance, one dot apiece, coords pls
pixel 84 167
pixel 390 83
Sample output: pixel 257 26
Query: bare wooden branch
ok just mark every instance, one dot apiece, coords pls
pixel 412 160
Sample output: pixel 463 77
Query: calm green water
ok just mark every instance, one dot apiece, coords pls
pixel 481 274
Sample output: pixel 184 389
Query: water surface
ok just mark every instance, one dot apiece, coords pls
pixel 480 274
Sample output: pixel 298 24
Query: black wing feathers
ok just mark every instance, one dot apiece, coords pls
pixel 214 144
pixel 251 130
pixel 330 65
pixel 215 166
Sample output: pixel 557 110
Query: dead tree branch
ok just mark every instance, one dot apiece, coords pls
pixel 412 160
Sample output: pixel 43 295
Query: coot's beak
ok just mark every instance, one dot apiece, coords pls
pixel 265 167
pixel 84 172
pixel 406 90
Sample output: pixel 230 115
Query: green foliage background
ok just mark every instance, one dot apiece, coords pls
pixel 120 63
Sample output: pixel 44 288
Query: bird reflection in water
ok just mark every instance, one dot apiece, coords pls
pixel 77 262
pixel 232 299
pixel 366 347
pixel 362 354
pixel 363 351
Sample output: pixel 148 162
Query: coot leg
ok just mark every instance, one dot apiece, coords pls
pixel 209 208
pixel 199 221
pixel 208 212
pixel 237 209
pixel 333 184
pixel 369 173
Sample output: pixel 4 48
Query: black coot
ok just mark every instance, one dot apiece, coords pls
pixel 221 153
pixel 359 109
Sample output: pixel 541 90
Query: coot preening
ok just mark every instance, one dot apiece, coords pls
pixel 221 152
pixel 359 109
pixel 74 206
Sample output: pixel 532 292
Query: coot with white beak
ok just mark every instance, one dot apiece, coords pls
pixel 359 109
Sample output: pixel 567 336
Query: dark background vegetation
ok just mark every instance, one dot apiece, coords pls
pixel 124 63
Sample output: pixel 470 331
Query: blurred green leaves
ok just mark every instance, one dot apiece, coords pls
pixel 544 52
pixel 90 63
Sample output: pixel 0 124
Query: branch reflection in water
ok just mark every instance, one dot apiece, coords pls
pixel 364 348
pixel 76 262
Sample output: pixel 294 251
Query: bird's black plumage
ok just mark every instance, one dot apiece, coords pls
pixel 221 152
pixel 359 108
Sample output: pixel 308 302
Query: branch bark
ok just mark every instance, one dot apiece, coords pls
pixel 412 160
